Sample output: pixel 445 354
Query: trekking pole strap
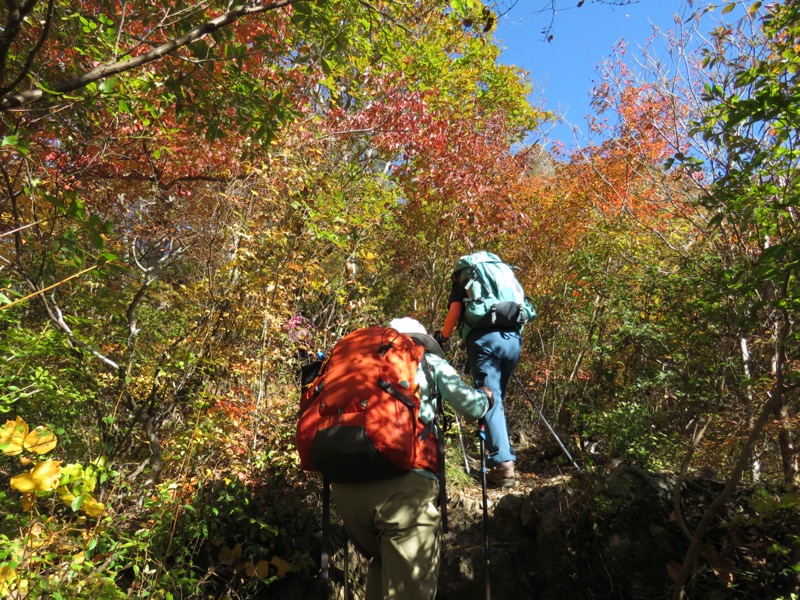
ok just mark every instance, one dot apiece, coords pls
pixel 463 448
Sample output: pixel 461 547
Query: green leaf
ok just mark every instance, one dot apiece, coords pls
pixel 106 257
pixel 109 85
pixel 96 239
pixel 77 502
pixel 76 208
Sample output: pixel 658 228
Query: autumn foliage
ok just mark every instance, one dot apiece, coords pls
pixel 199 197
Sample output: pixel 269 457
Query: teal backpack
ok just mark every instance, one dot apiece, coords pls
pixel 494 295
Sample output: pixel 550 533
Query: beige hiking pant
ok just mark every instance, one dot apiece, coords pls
pixel 395 523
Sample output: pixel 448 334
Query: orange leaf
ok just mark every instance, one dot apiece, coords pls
pixel 259 570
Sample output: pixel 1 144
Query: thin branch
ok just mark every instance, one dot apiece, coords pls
pixel 22 228
pixel 11 28
pixel 775 398
pixel 119 31
pixel 48 288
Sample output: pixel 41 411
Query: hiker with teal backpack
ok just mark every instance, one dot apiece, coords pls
pixel 488 303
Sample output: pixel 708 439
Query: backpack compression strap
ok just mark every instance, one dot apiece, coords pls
pixel 392 389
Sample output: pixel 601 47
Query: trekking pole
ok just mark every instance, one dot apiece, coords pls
pixel 555 435
pixel 487 563
pixel 346 568
pixel 324 560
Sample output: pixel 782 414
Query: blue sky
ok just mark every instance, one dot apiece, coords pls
pixel 562 70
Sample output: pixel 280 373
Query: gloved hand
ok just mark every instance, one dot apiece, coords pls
pixel 440 339
pixel 489 395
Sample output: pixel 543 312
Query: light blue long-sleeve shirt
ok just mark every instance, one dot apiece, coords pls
pixel 468 402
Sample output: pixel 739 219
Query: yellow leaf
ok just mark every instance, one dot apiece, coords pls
pixel 65 494
pixel 228 556
pixel 44 477
pixel 261 570
pixel 23 483
pixel 7 575
pixel 47 474
pixel 12 436
pixel 41 440
pixel 281 566
pixel 92 507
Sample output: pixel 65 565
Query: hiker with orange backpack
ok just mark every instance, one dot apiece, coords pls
pixel 368 423
pixel 488 304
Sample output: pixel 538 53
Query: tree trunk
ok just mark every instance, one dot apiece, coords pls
pixel 782 412
pixel 755 465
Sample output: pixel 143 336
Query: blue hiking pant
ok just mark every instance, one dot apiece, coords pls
pixel 493 356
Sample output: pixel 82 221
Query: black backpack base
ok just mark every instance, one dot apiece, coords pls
pixel 347 455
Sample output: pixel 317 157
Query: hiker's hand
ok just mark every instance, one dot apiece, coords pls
pixel 489 395
pixel 440 339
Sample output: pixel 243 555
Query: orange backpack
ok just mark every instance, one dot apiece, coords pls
pixel 359 419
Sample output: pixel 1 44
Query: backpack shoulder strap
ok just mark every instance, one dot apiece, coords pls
pixel 435 395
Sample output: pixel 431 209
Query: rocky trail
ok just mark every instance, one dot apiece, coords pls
pixel 609 532
pixel 464 548
pixel 464 559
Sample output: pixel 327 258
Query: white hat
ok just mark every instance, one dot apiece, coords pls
pixel 416 331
